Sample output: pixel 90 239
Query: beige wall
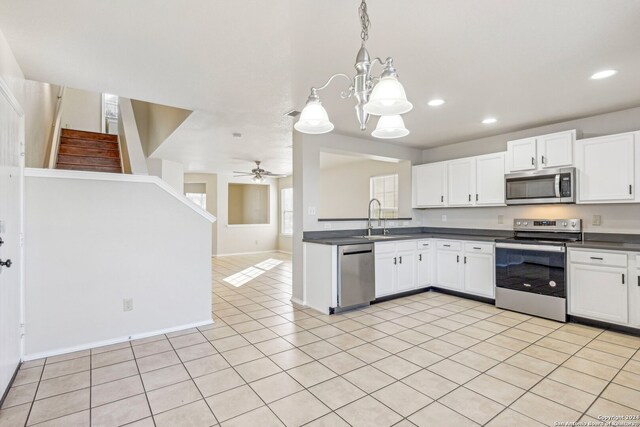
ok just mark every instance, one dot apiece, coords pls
pixel 248 204
pixel 82 110
pixel 211 187
pixel 156 123
pixel 284 242
pixel 621 218
pixel 345 186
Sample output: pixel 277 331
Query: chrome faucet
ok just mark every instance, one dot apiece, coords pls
pixel 369 226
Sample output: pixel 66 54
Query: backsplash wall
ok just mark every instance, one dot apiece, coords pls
pixel 616 218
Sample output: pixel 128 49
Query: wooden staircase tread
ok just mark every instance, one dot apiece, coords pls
pixel 80 134
pixel 88 152
pixel 91 168
pixel 87 143
pixel 91 161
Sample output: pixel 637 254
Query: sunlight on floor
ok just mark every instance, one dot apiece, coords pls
pixel 251 273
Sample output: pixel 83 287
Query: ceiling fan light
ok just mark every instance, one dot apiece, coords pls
pixel 388 98
pixel 313 119
pixel 390 127
pixel 258 179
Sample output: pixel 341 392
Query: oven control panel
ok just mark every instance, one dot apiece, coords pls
pixel 568 224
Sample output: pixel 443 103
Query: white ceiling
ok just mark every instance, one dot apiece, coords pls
pixel 241 64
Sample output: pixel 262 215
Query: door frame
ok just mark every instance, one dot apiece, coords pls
pixel 5 91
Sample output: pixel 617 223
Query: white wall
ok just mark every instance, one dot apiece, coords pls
pixel 82 110
pixel 92 243
pixel 621 218
pixel 234 239
pixel 345 188
pixel 284 242
pixel 306 185
pixel 211 185
pixel 170 172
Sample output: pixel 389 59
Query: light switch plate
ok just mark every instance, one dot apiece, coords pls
pixel 327 225
pixel 127 304
pixel 311 210
pixel 443 218
pixel 596 220
pixel 500 219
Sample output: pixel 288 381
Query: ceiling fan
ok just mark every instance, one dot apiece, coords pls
pixel 258 173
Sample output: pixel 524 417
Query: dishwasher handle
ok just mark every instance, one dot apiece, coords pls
pixel 358 252
pixel 357 249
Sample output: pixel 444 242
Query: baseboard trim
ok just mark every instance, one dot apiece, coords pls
pixel 6 391
pixel 298 301
pixel 103 343
pixel 284 252
pixel 246 253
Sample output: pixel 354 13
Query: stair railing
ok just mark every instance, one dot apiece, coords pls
pixel 56 129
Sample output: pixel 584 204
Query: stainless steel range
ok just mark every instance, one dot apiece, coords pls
pixel 531 268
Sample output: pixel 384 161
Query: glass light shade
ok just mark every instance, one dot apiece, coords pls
pixel 314 119
pixel 258 179
pixel 388 98
pixel 390 127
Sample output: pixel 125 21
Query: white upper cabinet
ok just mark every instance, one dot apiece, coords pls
pixel 546 151
pixel 461 177
pixel 555 150
pixel 490 179
pixel 521 154
pixel 429 185
pixel 606 168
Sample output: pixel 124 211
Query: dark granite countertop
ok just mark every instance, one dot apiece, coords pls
pixel 397 237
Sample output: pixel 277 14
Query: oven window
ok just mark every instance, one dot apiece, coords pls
pixel 537 272
pixel 531 188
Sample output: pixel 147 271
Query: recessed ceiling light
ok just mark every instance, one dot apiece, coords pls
pixel 489 120
pixel 435 102
pixel 237 135
pixel 603 74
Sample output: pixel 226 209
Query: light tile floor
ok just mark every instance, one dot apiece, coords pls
pixel 428 360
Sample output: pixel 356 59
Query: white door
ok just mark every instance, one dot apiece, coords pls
pixel 429 184
pixel 461 179
pixel 386 274
pixel 11 170
pixel 521 154
pixel 406 269
pixel 479 271
pixel 556 149
pixel 448 269
pixel 598 292
pixel 423 268
pixel 490 180
pixel 606 167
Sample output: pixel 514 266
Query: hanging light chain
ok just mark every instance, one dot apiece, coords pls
pixel 364 21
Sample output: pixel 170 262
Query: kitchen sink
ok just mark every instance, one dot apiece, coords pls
pixel 375 237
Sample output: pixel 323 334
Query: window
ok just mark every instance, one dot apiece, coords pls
pixel 109 113
pixel 385 189
pixel 199 199
pixel 286 208
pixel 197 193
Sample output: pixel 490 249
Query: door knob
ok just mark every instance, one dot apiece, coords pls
pixel 6 263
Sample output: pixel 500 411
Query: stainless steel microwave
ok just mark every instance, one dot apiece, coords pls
pixel 541 187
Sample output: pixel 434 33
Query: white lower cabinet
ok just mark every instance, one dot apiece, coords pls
pixel 449 264
pixel 479 269
pixel 599 285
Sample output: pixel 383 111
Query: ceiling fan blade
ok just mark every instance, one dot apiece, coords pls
pixel 273 174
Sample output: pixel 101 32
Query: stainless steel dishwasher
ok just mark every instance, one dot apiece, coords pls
pixel 356 275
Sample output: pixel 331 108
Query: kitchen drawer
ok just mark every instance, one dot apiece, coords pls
pixel 598 258
pixel 481 248
pixel 406 246
pixel 384 248
pixel 424 244
pixel 449 245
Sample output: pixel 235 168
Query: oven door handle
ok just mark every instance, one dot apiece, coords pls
pixel 545 248
pixel 558 185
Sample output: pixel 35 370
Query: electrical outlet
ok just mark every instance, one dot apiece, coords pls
pixel 500 219
pixel 327 225
pixel 127 304
pixel 596 220
pixel 311 210
pixel 392 223
pixel 443 218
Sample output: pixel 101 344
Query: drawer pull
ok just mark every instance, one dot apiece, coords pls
pixel 447 246
pixel 477 248
pixel 597 258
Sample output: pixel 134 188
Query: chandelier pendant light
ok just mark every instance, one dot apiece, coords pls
pixel 379 96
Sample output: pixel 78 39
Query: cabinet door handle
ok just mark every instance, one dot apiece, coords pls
pixel 543 160
pixel 638 280
pixel 442 199
pixel 476 197
pixel 533 161
pixel 469 197
pixel 465 260
pixel 419 257
pixel 395 260
pixel 457 258
pixel 630 189
pixel 400 260
pixel 623 278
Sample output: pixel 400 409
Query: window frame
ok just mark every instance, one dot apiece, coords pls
pixel 385 212
pixel 283 211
